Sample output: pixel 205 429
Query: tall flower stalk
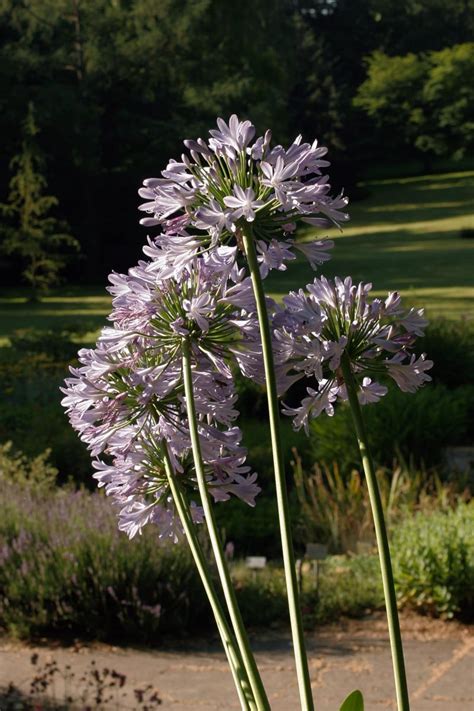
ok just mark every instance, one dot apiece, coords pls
pixel 401 686
pixel 339 340
pixel 238 190
pixel 217 548
pixel 232 651
pixel 304 682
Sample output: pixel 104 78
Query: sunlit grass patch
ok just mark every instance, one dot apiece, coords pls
pixel 405 235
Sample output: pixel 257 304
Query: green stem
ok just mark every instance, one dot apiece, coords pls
pixel 224 575
pixel 304 682
pixel 382 539
pixel 232 652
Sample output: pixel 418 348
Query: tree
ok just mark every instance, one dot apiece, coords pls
pixel 423 100
pixel 39 239
pixel 448 93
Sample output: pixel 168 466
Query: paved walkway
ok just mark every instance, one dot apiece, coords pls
pixel 440 662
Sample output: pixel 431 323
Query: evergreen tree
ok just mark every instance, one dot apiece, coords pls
pixel 37 238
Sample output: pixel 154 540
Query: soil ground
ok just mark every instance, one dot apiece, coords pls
pixel 343 657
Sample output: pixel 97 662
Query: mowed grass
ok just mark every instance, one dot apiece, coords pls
pixel 405 235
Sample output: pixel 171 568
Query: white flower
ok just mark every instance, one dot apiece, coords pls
pixel 371 391
pixel 197 308
pixel 244 203
pixel 409 376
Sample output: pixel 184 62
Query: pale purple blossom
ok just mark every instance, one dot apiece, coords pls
pixel 243 203
pixel 198 308
pixel 236 135
pixel 273 255
pixel 126 398
pixel 237 181
pixel 316 252
pixel 318 401
pixel 409 376
pixel 334 319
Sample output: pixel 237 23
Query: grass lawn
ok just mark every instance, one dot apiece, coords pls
pixel 405 235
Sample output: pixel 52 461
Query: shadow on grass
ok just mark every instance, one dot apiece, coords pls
pixel 398 259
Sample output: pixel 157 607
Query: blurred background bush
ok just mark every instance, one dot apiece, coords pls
pixel 95 96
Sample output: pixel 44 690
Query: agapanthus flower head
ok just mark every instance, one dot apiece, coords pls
pixel 335 319
pixel 233 181
pixel 126 399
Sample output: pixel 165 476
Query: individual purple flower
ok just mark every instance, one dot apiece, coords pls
pixel 316 252
pixel 273 255
pixel 243 204
pixel 335 319
pixel 318 401
pixel 237 135
pixel 409 376
pixel 197 308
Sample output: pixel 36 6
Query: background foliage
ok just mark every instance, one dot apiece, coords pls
pixel 117 84
pixel 53 580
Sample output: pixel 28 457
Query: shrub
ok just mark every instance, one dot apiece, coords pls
pixel 32 370
pixel 261 595
pixel 16 468
pixel 416 428
pixel 336 510
pixel 450 345
pixel 66 570
pixel 253 531
pixel 433 557
pixel 34 421
pixel 256 531
pixel 349 586
pixel 56 345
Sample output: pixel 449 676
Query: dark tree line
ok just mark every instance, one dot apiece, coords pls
pixel 116 85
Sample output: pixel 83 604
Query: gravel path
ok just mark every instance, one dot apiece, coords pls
pixel 440 662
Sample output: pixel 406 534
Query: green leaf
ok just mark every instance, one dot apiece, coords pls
pixel 354 702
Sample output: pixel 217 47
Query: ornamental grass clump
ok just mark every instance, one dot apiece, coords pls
pixel 155 400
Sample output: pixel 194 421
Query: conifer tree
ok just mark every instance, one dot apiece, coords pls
pixel 38 239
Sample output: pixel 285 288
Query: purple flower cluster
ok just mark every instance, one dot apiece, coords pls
pixel 335 318
pixel 127 397
pixel 236 179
